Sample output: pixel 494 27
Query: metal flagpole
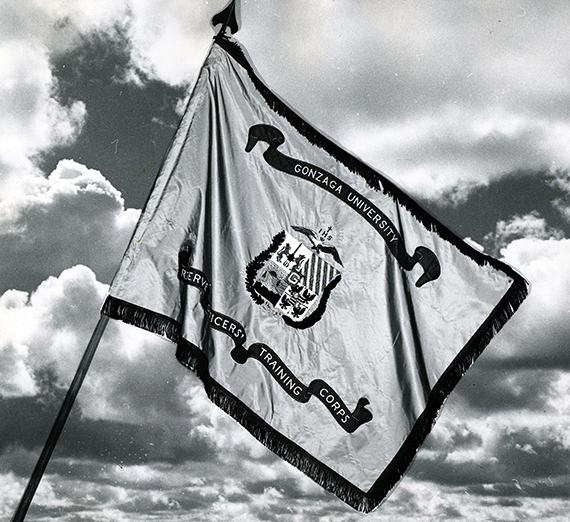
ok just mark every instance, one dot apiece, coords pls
pixel 57 428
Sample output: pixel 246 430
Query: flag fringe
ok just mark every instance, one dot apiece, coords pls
pixel 194 359
pixel 142 318
pixel 375 179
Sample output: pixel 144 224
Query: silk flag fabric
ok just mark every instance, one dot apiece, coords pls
pixel 322 308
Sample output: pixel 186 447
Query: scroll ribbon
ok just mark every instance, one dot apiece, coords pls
pixel 370 212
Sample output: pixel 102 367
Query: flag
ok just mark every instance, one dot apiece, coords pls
pixel 321 306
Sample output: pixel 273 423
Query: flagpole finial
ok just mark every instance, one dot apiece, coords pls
pixel 228 18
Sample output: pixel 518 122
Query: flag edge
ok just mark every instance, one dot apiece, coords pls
pixel 375 179
pixel 330 480
pixel 195 360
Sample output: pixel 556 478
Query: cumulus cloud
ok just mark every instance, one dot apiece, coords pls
pixel 46 331
pixel 142 420
pixel 523 374
pixel 43 330
pixel 35 119
pixel 440 118
pixel 537 335
pixel 74 216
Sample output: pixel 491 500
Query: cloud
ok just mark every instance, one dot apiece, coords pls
pixel 35 118
pixel 501 454
pixel 142 422
pixel 440 119
pixel 537 334
pixel 32 118
pixel 506 387
pixel 449 153
pixel 43 330
pixel 74 216
pixel 561 183
pixel 170 39
pixel 531 225
pixel 58 25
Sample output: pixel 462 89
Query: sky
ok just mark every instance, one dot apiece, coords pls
pixel 464 104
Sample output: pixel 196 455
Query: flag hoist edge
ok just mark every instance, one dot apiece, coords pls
pixel 194 358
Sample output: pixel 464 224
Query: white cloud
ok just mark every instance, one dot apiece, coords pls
pixel 9 494
pixel 16 378
pixel 447 118
pixel 439 119
pixel 560 400
pixel 170 39
pixel 539 331
pixel 494 451
pixel 58 25
pixel 453 151
pixel 46 328
pixel 32 118
pixel 48 224
pixel 442 100
pixel 134 378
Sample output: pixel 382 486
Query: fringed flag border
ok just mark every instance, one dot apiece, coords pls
pixel 193 358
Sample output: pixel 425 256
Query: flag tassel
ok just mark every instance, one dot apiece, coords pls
pixel 60 420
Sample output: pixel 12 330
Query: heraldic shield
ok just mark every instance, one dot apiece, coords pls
pixel 292 280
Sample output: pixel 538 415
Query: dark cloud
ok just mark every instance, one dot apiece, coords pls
pixel 445 472
pixel 530 454
pixel 544 488
pixel 142 441
pixel 503 502
pixel 516 193
pixel 491 386
pixel 128 444
pixel 26 422
pixel 130 123
pixel 505 461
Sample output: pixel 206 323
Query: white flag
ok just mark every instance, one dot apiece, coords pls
pixel 323 309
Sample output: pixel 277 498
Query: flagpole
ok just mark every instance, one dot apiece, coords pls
pixel 228 19
pixel 59 423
